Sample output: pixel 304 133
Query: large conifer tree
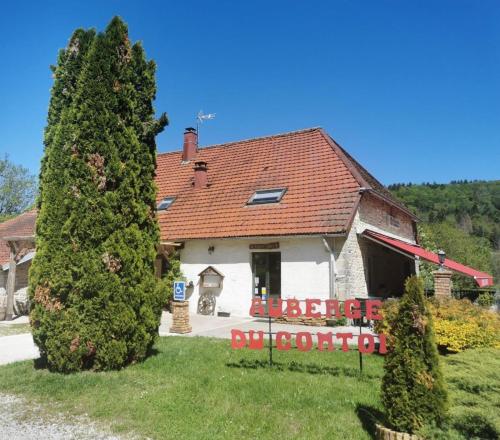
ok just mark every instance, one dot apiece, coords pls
pixel 96 302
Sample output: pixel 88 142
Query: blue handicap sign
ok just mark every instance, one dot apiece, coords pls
pixel 179 290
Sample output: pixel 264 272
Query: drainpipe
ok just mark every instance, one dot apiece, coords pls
pixel 331 252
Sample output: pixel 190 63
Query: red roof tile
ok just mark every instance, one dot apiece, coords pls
pixel 23 225
pixel 322 183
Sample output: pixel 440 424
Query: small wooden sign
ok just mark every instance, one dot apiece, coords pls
pixel 211 277
pixel 274 245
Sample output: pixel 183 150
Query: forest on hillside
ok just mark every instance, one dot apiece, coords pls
pixel 462 218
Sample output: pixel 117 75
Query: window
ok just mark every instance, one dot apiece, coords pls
pixel 165 203
pixel 262 196
pixel 393 220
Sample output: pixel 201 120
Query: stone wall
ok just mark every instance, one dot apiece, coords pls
pixel 382 217
pixel 353 250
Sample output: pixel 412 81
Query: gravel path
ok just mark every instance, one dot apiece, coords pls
pixel 20 420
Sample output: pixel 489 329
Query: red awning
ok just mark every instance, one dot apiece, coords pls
pixel 412 250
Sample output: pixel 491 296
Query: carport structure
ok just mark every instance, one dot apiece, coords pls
pixel 398 267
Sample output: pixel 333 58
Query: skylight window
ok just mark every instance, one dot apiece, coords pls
pixel 262 196
pixel 165 203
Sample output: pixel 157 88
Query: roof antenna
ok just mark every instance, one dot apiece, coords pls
pixel 199 120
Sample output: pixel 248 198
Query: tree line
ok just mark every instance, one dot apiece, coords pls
pixel 462 217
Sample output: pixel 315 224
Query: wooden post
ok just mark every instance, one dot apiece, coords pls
pixel 11 282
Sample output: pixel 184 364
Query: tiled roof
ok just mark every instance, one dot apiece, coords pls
pixel 322 182
pixel 20 226
pixel 368 181
pixel 323 185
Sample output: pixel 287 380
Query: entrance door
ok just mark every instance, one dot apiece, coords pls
pixel 266 270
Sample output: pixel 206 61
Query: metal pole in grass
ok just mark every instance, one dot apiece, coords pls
pixel 360 354
pixel 270 341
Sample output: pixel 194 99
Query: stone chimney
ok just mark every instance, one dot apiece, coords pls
pixel 190 144
pixel 200 175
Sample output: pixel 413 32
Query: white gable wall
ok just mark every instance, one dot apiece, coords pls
pixel 304 270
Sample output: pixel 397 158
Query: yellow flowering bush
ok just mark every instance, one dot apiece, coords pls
pixel 458 324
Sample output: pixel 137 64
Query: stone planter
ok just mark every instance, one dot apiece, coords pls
pixel 3 312
pixel 383 433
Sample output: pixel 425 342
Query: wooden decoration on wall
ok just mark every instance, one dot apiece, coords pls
pixel 274 245
pixel 211 277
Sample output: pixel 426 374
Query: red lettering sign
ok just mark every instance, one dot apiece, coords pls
pixel 305 341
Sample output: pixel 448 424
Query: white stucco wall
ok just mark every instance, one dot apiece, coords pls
pixel 304 270
pixel 305 261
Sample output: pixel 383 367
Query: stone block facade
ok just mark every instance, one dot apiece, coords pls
pixel 381 216
pixel 352 252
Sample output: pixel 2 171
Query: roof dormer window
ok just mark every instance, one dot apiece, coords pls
pixel 263 196
pixel 165 203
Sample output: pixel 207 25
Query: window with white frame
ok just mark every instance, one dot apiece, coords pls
pixel 263 196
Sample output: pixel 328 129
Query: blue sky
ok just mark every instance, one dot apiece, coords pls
pixel 410 88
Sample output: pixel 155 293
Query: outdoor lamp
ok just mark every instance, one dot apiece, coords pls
pixel 442 256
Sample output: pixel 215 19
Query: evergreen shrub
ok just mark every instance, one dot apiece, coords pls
pixel 413 391
pixel 486 299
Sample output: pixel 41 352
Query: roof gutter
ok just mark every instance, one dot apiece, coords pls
pixel 259 237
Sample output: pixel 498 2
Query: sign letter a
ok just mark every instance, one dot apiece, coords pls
pixel 257 309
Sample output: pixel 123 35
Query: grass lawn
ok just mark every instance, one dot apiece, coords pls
pixel 14 329
pixel 197 388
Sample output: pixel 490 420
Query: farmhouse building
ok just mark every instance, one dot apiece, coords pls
pixel 291 215
pixel 282 216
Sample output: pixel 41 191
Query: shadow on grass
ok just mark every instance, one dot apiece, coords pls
pixel 41 362
pixel 152 352
pixel 369 416
pixel 299 367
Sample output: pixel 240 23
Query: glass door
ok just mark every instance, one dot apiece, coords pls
pixel 266 271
